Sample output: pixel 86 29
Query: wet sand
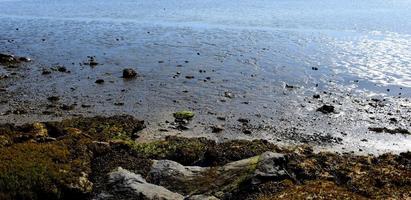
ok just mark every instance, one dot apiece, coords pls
pixel 276 75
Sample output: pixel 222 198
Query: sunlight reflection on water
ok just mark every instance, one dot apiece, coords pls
pixel 382 58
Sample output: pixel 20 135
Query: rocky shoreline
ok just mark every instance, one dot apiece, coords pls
pixel 99 158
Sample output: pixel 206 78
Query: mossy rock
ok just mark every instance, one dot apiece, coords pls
pixel 187 151
pixel 185 114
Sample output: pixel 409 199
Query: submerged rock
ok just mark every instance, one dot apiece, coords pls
pixel 216 129
pixel 129 73
pixel 5 59
pixel 326 109
pixel 8 59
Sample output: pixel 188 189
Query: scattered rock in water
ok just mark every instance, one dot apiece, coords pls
pixel 99 81
pixel 62 69
pixel 4 76
pixel 393 120
pixel 326 109
pixel 129 73
pixel 45 71
pixel 67 107
pixel 8 59
pixel 221 118
pixel 247 131
pixel 216 129
pixel 91 61
pixel 243 120
pixel 290 86
pixel 24 59
pixel 119 104
pixel 228 95
pixel 53 98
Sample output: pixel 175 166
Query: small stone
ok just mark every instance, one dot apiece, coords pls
pixel 189 77
pixel 229 95
pixel 61 69
pixel 45 72
pixel 316 96
pixel 68 107
pixel 244 121
pixel 326 109
pixel 221 118
pixel 216 129
pixel 99 81
pixel 53 98
pixel 289 86
pixel 129 73
pixel 187 115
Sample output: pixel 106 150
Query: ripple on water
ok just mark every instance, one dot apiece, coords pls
pixel 380 57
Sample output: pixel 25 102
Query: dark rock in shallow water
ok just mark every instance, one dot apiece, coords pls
pixel 388 130
pixel 129 73
pixel 24 59
pixel 243 120
pixel 61 69
pixel 326 109
pixel 6 59
pixel 67 107
pixel 216 129
pixel 45 72
pixel 228 95
pixel 99 81
pixel 53 98
pixel 316 96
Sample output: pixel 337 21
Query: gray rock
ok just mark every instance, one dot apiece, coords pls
pixel 132 185
pixel 175 176
pixel 270 166
pixel 215 181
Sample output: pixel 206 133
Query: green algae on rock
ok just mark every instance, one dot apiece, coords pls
pixel 184 115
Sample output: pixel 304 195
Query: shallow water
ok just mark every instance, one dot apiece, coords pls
pixel 252 49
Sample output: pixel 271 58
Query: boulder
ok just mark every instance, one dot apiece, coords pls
pixel 271 166
pixel 189 180
pixel 125 183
